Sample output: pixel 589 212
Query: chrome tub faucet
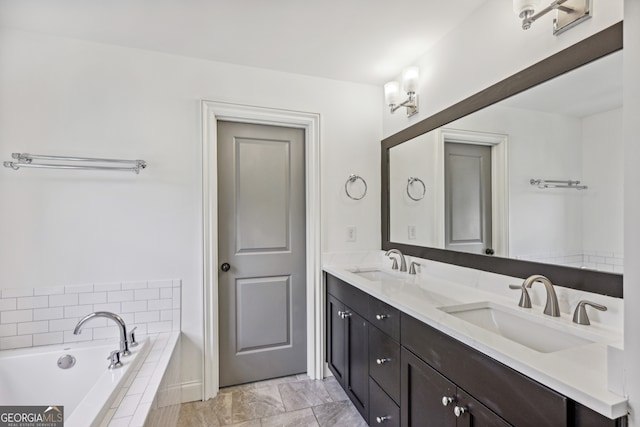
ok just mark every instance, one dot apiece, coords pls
pixel 124 343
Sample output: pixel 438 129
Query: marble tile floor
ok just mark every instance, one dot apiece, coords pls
pixel 294 401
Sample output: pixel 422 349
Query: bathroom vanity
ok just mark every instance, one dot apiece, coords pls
pixel 403 361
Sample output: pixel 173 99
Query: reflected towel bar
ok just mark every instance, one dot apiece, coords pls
pixel 543 183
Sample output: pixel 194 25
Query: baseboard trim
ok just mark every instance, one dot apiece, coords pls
pixel 191 391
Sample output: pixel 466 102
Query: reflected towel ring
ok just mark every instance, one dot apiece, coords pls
pixel 424 188
pixel 353 178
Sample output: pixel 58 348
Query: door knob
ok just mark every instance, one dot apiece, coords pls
pixel 225 267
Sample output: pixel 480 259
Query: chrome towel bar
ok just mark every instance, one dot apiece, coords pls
pixel 25 160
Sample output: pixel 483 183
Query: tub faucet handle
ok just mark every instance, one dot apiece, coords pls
pixel 132 337
pixel 114 359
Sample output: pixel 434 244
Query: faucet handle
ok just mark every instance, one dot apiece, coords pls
pixel 114 359
pixel 412 267
pixel 525 300
pixel 132 337
pixel 580 314
pixel 394 265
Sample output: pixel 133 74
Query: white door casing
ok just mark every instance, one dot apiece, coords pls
pixel 310 122
pixel 499 183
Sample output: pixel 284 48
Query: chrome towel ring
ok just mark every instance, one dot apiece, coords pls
pixel 410 182
pixel 353 178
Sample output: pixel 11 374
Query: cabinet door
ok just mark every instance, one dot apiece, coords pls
pixel 475 414
pixel 423 389
pixel 336 339
pixel 357 376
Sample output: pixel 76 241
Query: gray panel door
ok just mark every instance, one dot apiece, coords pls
pixel 261 249
pixel 467 170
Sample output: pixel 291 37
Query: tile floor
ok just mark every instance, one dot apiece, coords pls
pixel 294 401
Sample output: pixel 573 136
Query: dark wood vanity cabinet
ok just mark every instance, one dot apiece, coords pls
pixel 348 351
pixel 431 400
pixel 397 370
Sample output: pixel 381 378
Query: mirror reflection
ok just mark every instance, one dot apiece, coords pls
pixel 503 180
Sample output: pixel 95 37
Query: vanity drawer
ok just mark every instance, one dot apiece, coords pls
pixel 518 399
pixel 382 409
pixel 384 362
pixel 384 317
pixel 351 296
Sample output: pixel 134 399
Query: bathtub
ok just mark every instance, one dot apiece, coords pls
pixel 86 390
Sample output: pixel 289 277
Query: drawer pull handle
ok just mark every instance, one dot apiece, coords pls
pixel 344 314
pixel 383 360
pixel 381 316
pixel 446 400
pixel 459 410
pixel 380 420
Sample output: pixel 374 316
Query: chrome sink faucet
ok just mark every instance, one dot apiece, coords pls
pixel 124 343
pixel 551 308
pixel 403 261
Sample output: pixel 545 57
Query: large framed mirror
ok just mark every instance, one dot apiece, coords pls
pixel 491 182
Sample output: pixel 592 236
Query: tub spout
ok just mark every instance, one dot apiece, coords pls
pixel 124 344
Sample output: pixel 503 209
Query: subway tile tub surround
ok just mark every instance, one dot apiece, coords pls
pixel 44 316
pixel 151 396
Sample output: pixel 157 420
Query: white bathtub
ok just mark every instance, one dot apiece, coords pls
pixel 32 377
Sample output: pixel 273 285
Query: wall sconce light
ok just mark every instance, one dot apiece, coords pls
pixel 569 13
pixel 409 83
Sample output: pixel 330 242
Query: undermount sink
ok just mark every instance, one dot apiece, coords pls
pixel 516 326
pixel 375 275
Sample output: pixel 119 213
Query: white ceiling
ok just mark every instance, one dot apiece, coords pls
pixel 366 41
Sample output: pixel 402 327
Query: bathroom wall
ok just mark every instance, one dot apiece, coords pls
pixel 487 47
pixel 631 113
pixel 67 97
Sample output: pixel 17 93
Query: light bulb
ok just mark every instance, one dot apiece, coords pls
pixel 521 7
pixel 392 93
pixel 410 79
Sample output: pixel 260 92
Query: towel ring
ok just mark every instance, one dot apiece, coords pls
pixel 353 178
pixel 410 181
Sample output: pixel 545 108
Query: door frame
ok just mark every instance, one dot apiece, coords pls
pixel 499 183
pixel 212 112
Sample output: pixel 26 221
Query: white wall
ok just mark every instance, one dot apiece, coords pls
pixel 485 49
pixel 67 97
pixel 632 206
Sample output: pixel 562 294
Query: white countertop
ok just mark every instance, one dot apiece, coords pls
pixel 579 373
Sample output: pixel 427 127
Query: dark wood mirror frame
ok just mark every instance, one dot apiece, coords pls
pixel 583 52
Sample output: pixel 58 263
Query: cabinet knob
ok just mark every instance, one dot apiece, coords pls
pixel 446 400
pixel 380 420
pixel 459 410
pixel 381 316
pixel 383 360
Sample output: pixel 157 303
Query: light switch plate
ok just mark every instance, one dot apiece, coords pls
pixel 351 233
pixel 412 232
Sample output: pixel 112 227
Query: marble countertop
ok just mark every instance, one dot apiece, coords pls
pixel 579 372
